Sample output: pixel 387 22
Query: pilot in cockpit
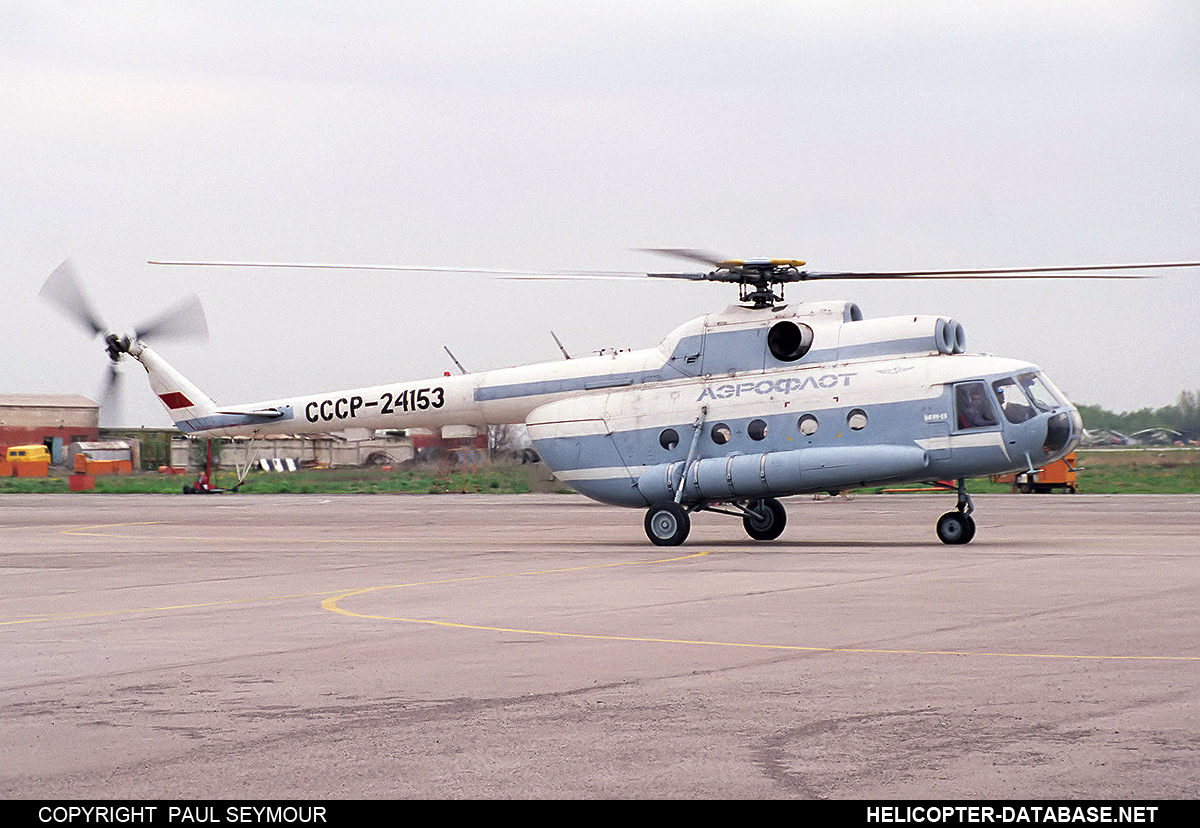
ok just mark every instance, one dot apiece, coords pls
pixel 974 411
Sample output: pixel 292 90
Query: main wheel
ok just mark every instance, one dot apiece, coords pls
pixel 667 524
pixel 766 520
pixel 955 528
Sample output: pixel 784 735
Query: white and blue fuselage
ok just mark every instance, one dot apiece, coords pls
pixel 741 404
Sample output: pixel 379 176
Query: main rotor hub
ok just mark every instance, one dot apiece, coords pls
pixel 757 278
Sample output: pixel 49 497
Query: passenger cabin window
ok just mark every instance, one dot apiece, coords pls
pixel 973 406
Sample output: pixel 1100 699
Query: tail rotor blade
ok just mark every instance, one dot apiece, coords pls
pixel 185 320
pixel 110 396
pixel 63 289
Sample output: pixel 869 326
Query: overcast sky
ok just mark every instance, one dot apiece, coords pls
pixel 544 135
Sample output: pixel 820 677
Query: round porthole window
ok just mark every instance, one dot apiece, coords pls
pixel 807 425
pixel 857 419
pixel 721 434
pixel 669 438
pixel 757 429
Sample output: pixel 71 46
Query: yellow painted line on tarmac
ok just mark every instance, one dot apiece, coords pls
pixel 332 604
pixel 339 593
pixel 83 531
pixel 69 616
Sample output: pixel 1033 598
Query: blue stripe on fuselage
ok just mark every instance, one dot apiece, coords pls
pixel 213 421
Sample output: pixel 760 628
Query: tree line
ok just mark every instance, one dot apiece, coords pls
pixel 1183 416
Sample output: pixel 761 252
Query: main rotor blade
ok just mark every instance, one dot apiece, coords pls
pixel 516 273
pixel 729 270
pixel 1058 272
pixel 702 256
pixel 64 290
pixel 181 321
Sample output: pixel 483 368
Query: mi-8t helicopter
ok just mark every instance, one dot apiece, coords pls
pixel 729 413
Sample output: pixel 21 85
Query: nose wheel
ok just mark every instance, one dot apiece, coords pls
pixel 958 526
pixel 955 527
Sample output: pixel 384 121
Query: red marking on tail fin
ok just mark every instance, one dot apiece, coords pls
pixel 174 400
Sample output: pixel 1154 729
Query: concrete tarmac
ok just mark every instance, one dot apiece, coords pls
pixel 257 646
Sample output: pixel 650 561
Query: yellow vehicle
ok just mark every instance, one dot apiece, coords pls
pixel 27 454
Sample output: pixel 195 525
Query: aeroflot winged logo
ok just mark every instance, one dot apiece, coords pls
pixel 784 385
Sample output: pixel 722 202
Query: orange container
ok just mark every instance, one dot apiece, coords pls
pixel 1062 473
pixel 83 482
pixel 31 468
pixel 100 467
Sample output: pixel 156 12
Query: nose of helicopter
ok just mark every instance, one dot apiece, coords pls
pixel 1064 430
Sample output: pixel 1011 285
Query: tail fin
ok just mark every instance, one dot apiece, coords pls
pixel 190 408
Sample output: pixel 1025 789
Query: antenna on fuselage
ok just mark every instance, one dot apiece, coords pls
pixel 558 342
pixel 455 360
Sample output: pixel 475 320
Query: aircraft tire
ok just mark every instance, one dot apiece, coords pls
pixel 955 528
pixel 667 524
pixel 768 521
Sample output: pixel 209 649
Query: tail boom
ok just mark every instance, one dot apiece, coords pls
pixel 185 403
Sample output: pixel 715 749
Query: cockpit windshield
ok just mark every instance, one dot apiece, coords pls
pixel 1023 397
pixel 1039 391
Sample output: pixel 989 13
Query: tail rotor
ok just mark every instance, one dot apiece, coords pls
pixel 184 320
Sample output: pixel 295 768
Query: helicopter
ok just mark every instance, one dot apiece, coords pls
pixel 729 413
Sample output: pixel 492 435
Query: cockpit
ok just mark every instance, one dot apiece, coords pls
pixel 1021 397
pixel 1017 400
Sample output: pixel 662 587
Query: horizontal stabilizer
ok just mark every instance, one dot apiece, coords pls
pixel 264 413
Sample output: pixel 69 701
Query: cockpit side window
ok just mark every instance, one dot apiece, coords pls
pixel 973 406
pixel 1013 402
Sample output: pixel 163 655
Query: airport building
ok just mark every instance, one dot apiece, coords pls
pixel 51 420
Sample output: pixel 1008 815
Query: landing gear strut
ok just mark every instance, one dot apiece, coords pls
pixel 668 524
pixel 958 526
